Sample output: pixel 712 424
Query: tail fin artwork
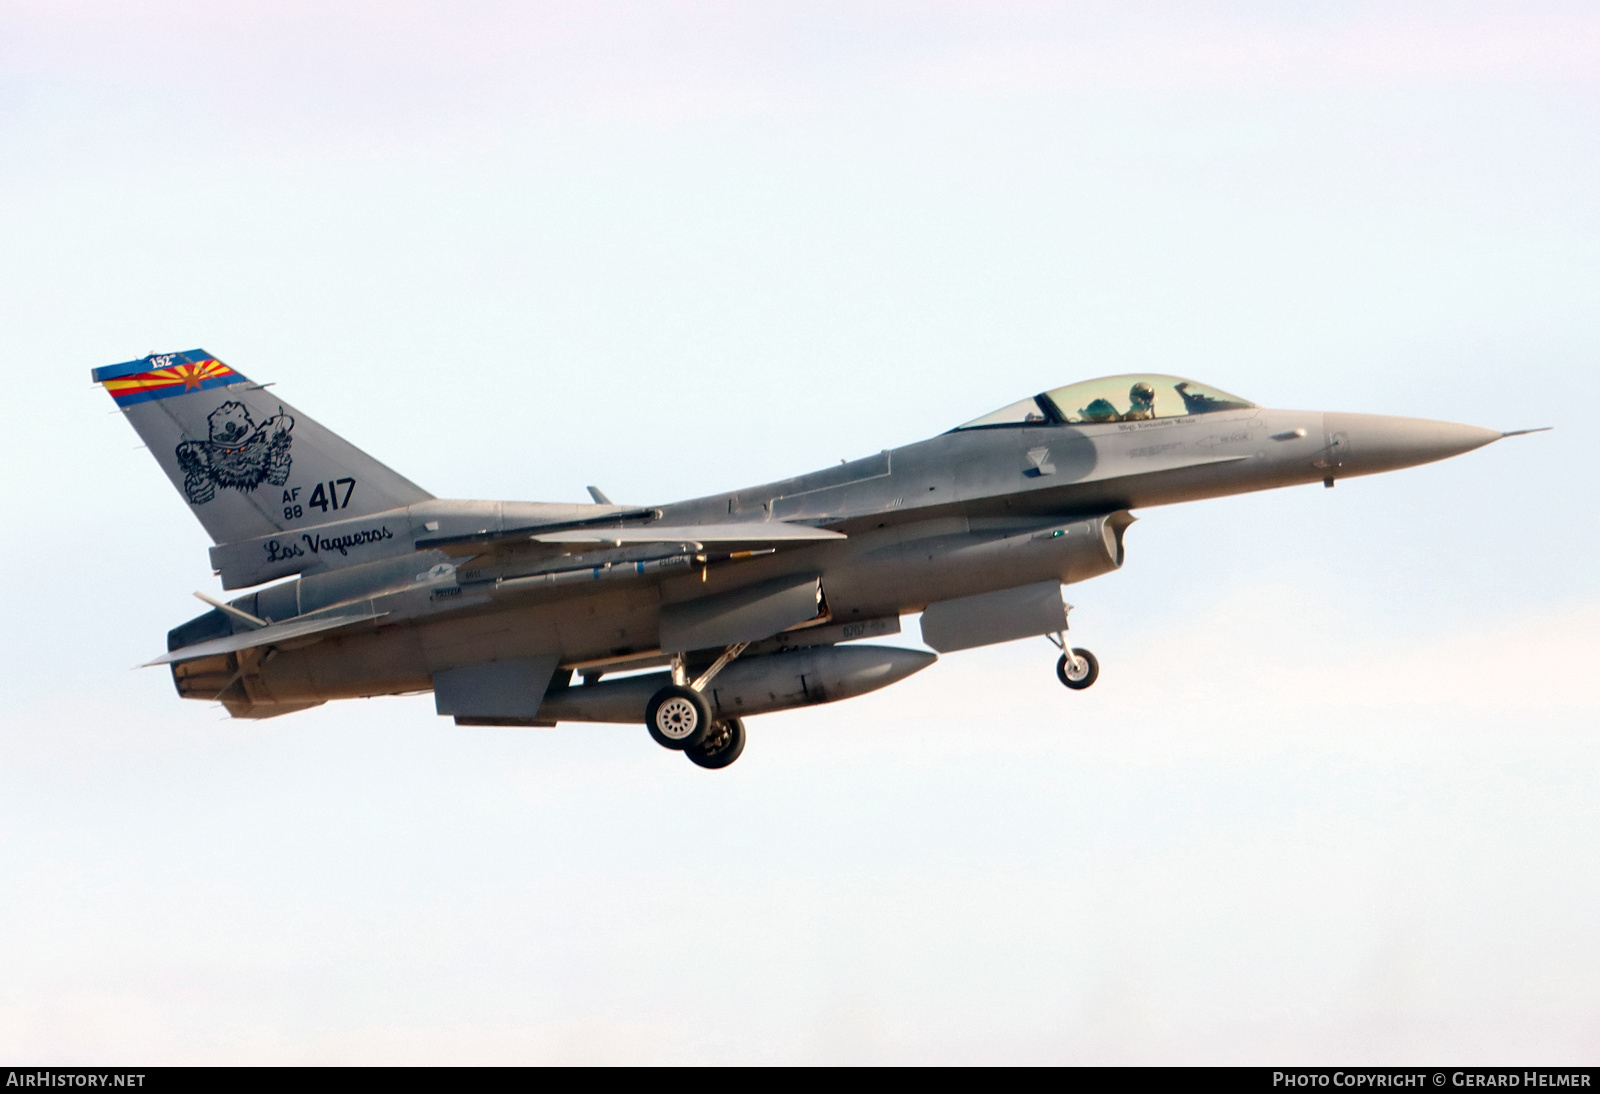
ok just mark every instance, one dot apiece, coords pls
pixel 247 463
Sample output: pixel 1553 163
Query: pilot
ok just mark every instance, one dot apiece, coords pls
pixel 1142 398
pixel 1100 410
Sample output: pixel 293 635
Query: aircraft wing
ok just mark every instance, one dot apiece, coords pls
pixel 766 533
pixel 270 635
pixel 755 535
pixel 617 529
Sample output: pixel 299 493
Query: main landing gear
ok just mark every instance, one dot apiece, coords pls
pixel 1076 668
pixel 721 746
pixel 678 716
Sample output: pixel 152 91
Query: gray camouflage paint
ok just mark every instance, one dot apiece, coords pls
pixel 435 585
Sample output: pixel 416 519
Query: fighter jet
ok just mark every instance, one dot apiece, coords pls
pixel 689 617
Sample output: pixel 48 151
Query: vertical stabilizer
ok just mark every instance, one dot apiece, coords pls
pixel 247 463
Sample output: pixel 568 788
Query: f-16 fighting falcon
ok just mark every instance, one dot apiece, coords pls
pixel 689 617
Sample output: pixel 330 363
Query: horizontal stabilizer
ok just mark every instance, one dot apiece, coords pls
pixel 763 532
pixel 269 635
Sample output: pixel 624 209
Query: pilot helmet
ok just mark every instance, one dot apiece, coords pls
pixel 1142 394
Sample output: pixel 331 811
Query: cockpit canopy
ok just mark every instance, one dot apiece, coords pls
pixel 1130 398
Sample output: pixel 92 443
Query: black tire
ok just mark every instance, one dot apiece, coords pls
pixel 677 718
pixel 1084 677
pixel 721 747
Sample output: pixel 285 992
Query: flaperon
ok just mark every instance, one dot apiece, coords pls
pixel 530 613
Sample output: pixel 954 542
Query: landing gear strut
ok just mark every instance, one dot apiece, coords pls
pixel 678 716
pixel 1076 668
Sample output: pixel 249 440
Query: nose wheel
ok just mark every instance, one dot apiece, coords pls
pixel 1080 672
pixel 1076 668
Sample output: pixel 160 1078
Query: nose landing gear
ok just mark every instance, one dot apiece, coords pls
pixel 1076 668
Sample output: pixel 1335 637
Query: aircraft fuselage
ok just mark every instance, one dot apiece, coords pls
pixel 965 513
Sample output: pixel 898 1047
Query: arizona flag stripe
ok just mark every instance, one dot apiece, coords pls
pixel 177 379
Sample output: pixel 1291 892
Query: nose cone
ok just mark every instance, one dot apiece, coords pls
pixel 1364 444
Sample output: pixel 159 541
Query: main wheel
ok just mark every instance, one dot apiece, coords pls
pixel 677 718
pixel 1079 676
pixel 721 746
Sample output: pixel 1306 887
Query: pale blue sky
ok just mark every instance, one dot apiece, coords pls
pixel 1334 796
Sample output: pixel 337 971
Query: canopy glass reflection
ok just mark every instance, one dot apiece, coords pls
pixel 1130 397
